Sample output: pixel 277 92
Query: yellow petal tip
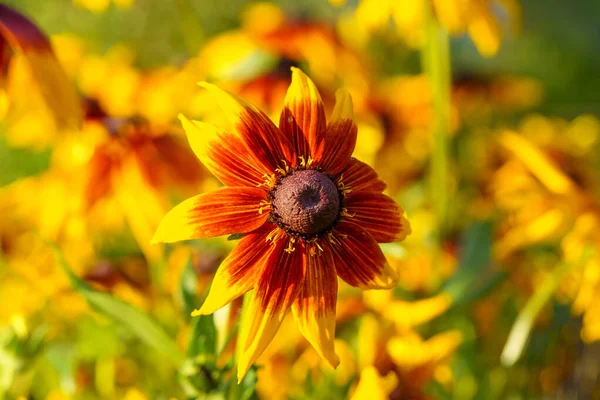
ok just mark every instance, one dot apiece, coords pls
pixel 334 361
pixel 196 313
pixel 156 239
pixel 242 369
pixel 207 86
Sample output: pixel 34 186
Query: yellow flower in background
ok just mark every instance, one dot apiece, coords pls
pixel 99 6
pixel 478 18
pixel 540 199
pixel 372 386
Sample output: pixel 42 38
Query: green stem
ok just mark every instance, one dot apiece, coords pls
pixel 435 58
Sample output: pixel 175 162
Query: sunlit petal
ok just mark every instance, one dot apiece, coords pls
pixel 239 272
pixel 340 137
pixel 359 176
pixel 281 280
pixel 314 309
pixel 223 211
pixel 379 215
pixel 358 259
pixel 259 134
pixel 224 154
pixel 303 117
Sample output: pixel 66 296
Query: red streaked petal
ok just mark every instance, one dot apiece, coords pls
pixel 268 144
pixel 239 272
pixel 220 212
pixel 358 259
pixel 303 117
pixel 379 215
pixel 281 280
pixel 314 308
pixel 359 176
pixel 224 154
pixel 340 137
pixel 54 85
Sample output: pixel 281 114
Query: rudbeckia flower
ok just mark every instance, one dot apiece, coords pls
pixel 308 212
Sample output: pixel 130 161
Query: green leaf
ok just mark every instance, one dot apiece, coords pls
pixel 473 276
pixel 248 385
pixel 235 236
pixel 203 338
pixel 188 283
pixel 146 329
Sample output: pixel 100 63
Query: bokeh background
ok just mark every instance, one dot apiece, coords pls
pixel 481 115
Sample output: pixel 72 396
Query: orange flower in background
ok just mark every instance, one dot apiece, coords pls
pixel 31 76
pixel 309 212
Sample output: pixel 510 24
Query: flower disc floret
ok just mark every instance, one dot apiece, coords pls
pixel 305 203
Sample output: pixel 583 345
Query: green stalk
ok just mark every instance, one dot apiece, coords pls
pixel 435 58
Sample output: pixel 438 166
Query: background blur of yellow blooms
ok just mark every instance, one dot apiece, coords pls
pixel 481 115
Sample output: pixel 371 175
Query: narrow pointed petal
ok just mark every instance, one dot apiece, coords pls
pixel 239 272
pixel 259 134
pixel 220 212
pixel 224 154
pixel 340 137
pixel 55 87
pixel 359 176
pixel 314 309
pixel 358 259
pixel 379 215
pixel 281 280
pixel 303 117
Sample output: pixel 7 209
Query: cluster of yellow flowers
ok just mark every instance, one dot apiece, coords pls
pixel 521 230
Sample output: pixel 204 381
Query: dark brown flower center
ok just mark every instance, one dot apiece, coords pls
pixel 305 203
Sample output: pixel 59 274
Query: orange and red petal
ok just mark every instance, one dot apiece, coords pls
pixel 261 137
pixel 220 212
pixel 21 32
pixel 55 87
pixel 314 308
pixel 358 259
pixel 303 117
pixel 224 154
pixel 239 272
pixel 379 215
pixel 359 176
pixel 340 136
pixel 276 290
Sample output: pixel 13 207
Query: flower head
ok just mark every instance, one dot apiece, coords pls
pixel 308 211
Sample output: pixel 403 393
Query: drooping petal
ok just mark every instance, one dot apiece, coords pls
pixel 358 259
pixel 259 134
pixel 359 176
pixel 220 212
pixel 314 309
pixel 239 272
pixel 281 280
pixel 224 154
pixel 340 137
pixel 303 117
pixel 55 87
pixel 379 215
